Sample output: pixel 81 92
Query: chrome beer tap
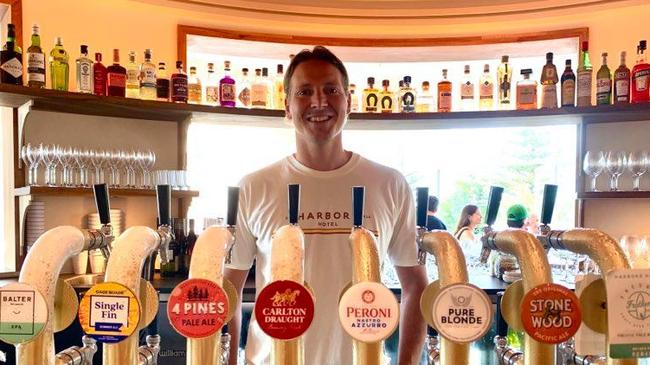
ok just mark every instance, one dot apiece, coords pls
pixel 76 355
pixel 506 355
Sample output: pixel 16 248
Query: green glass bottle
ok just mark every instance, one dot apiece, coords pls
pixel 59 67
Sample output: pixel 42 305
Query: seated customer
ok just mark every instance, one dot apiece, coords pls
pixel 434 222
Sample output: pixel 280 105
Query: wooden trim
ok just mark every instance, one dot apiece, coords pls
pixel 184 30
pixel 16 18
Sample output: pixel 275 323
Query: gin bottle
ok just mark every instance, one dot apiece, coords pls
pixel 84 72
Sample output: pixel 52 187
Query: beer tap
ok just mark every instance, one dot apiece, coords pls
pixel 148 354
pixel 452 269
pixel 432 346
pixel 43 265
pixel 76 355
pixel 494 201
pixel 570 357
pixel 535 270
pixel 506 355
pixel 130 251
pixel 210 251
pixel 548 204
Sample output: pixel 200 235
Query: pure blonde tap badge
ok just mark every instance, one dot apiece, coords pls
pixel 462 313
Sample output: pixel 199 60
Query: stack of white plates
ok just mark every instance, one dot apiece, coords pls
pixel 34 222
pixel 117 221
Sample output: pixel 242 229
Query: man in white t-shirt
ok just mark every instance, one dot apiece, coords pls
pixel 318 103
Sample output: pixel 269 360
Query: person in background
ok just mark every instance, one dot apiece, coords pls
pixel 532 224
pixel 434 222
pixel 504 266
pixel 517 215
pixel 470 218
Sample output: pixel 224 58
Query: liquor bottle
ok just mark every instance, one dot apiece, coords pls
pixel 169 269
pixel 604 83
pixel 269 87
pixel 99 75
pixel 147 77
pixel 11 60
pixel 132 78
pixel 258 91
pixel 386 97
pixel 622 82
pixel 194 89
pixel 504 78
pixel 116 77
pixel 35 61
pixel 568 85
pixel 444 93
pixel 84 72
pixel 407 97
pixel 398 95
pixel 59 67
pixel 526 91
pixel 354 99
pixel 486 89
pixel 162 82
pixel 211 87
pixel 641 77
pixel 424 103
pixel 179 84
pixel 370 97
pixel 190 241
pixel 467 91
pixel 244 97
pixel 278 88
pixel 584 77
pixel 549 83
pixel 227 89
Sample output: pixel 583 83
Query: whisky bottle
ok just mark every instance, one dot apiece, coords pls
pixel 386 97
pixel 147 77
pixel 84 72
pixel 467 91
pixel 99 76
pixel 194 89
pixel 486 89
pixel 132 78
pixel 370 97
pixel 162 83
pixel 59 68
pixel 408 96
pixel 604 83
pixel 269 87
pixel 354 99
pixel 116 77
pixel 622 82
pixel 504 78
pixel 584 77
pixel 278 88
pixel 641 77
pixel 568 86
pixel 244 98
pixel 424 102
pixel 227 90
pixel 11 60
pixel 444 94
pixel 258 91
pixel 526 91
pixel 549 83
pixel 35 61
pixel 211 87
pixel 178 83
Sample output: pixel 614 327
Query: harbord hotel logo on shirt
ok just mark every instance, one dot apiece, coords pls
pixel 330 222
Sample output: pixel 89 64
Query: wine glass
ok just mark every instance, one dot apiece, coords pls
pixel 30 156
pixel 636 250
pixel 130 161
pixel 637 164
pixel 114 165
pixel 82 159
pixel 615 164
pixel 593 166
pixel 48 155
pixel 65 157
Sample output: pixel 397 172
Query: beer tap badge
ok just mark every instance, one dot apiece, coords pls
pixel 550 313
pixel 284 309
pixel 369 312
pixel 197 308
pixel 462 313
pixel 109 312
pixel 23 313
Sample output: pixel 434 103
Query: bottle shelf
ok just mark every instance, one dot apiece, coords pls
pixel 110 106
pixel 614 195
pixel 76 191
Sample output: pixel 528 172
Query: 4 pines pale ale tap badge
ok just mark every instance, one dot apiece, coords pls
pixel 550 313
pixel 369 312
pixel 284 309
pixel 197 308
pixel 462 313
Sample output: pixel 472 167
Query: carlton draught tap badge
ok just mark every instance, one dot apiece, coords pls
pixel 197 308
pixel 369 312
pixel 550 313
pixel 284 309
pixel 462 313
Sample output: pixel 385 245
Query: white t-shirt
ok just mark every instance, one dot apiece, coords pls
pixel 326 220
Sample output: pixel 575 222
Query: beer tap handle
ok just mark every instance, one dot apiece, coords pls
pixel 548 204
pixel 358 195
pixel 494 201
pixel 102 203
pixel 164 198
pixel 502 325
pixel 233 205
pixel 294 203
pixel 421 220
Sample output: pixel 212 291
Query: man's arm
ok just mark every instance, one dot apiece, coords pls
pixel 238 279
pixel 412 327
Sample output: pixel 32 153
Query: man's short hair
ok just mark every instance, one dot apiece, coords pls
pixel 319 53
pixel 433 203
pixel 516 223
